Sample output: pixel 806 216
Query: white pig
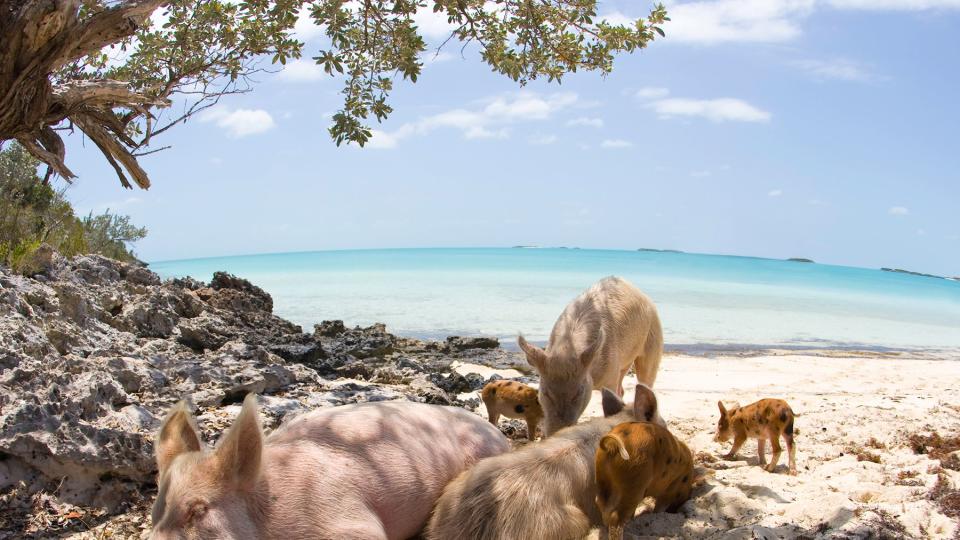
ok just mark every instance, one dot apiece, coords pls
pixel 365 471
pixel 598 337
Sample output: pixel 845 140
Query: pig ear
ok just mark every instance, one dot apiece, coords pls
pixel 586 357
pixel 612 404
pixel 723 410
pixel 238 453
pixel 644 403
pixel 535 355
pixel 178 435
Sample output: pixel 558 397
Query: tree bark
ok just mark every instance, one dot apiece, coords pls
pixel 39 38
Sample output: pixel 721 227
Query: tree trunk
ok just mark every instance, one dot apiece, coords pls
pixel 39 38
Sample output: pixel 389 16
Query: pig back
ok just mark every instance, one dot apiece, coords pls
pixel 620 312
pixel 391 458
pixel 543 490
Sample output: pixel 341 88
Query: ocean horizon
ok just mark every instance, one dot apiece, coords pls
pixel 705 301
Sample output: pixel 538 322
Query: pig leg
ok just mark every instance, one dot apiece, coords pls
pixel 737 443
pixel 532 422
pixel 492 413
pixel 623 373
pixel 572 523
pixel 761 450
pixel 791 453
pixel 646 365
pixel 632 504
pixel 777 450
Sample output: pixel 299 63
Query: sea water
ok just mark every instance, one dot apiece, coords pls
pixel 704 300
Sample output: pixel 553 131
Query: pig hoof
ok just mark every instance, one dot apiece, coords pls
pixel 770 468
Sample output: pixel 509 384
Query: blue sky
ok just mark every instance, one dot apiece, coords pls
pixel 780 128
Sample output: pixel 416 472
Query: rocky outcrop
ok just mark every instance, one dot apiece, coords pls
pixel 93 352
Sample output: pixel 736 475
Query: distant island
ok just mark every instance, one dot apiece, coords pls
pixel 912 273
pixel 800 259
pixel 660 250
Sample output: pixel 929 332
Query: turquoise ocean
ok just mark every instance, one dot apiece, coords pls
pixel 705 301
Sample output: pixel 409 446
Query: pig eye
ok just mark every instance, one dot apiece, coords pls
pixel 196 511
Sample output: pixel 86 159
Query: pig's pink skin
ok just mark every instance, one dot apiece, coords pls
pixel 372 470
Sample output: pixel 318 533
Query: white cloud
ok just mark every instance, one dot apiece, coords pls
pixel 715 110
pixel 616 143
pixel 542 139
pixel 712 22
pixel 618 19
pixel 895 5
pixel 898 211
pixel 839 68
pixel 921 232
pixel 586 121
pixel 432 25
pixel 652 92
pixel 302 70
pixel 305 29
pixel 241 122
pixel 775 193
pixel 722 21
pixel 491 120
pixel 381 139
pixel 701 174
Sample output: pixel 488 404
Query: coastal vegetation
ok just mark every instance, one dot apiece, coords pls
pixel 34 213
pixel 114 69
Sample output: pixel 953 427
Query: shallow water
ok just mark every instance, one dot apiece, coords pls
pixel 703 299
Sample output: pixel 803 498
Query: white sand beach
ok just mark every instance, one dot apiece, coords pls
pixel 842 400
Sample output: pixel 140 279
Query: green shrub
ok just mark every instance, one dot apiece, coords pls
pixel 33 213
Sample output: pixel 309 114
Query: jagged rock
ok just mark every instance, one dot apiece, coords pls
pixel 329 328
pixel 368 342
pixel 223 282
pixel 141 276
pixel 41 261
pixel 455 383
pixel 187 283
pixel 355 369
pixel 204 333
pixel 427 392
pixel 93 355
pixel 304 351
pixel 457 343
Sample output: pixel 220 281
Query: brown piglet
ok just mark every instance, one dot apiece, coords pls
pixel 513 400
pixel 765 419
pixel 637 460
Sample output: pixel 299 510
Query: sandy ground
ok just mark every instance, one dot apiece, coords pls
pixel 853 409
pixel 845 406
pixel 858 475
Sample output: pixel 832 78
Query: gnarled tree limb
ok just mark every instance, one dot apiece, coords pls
pixel 42 36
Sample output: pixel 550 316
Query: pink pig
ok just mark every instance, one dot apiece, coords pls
pixel 364 471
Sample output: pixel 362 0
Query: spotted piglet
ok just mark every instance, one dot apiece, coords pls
pixel 765 419
pixel 637 460
pixel 513 400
